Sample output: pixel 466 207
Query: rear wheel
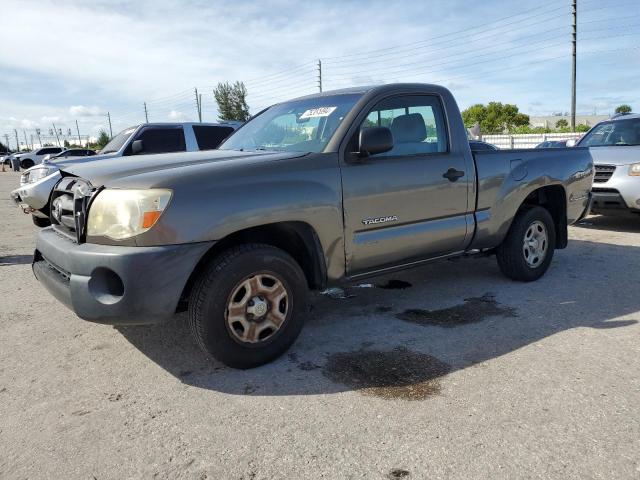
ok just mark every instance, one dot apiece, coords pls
pixel 248 306
pixel 527 251
pixel 26 163
pixel 40 222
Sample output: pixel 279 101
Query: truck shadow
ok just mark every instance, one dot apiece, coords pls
pixel 15 260
pixel 399 339
pixel 612 223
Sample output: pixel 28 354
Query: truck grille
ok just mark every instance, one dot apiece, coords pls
pixel 69 203
pixel 603 173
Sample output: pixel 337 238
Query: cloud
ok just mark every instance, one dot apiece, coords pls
pixel 26 123
pixel 121 54
pixel 46 119
pixel 84 111
pixel 176 116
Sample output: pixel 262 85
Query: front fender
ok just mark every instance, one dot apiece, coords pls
pixel 37 194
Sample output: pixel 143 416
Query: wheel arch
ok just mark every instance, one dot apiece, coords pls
pixel 554 199
pixel 298 239
pixel 27 163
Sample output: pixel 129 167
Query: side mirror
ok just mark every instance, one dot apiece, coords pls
pixel 374 140
pixel 137 147
pixel 571 143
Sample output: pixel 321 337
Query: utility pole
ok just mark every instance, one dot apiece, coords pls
pixel 198 104
pixel 6 137
pixel 110 130
pixel 320 75
pixel 39 140
pixel 146 114
pixel 574 5
pixel 25 139
pixel 17 141
pixel 55 130
pixel 78 130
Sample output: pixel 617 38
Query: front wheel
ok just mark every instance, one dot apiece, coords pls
pixel 40 222
pixel 26 163
pixel 248 305
pixel 526 252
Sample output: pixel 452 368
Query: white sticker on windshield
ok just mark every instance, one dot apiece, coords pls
pixel 318 112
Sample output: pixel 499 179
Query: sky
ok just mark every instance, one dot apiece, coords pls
pixel 64 61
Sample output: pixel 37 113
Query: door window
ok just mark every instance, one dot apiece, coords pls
pixel 416 123
pixel 162 140
pixel 209 137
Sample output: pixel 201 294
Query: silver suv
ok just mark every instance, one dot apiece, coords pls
pixel 615 147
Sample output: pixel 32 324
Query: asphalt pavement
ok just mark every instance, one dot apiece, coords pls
pixel 443 372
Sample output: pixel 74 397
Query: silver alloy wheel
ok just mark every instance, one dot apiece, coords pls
pixel 535 244
pixel 257 308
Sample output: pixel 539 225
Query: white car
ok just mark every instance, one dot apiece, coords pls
pixel 29 159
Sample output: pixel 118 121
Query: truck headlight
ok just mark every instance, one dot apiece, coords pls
pixel 34 174
pixel 120 214
pixel 634 169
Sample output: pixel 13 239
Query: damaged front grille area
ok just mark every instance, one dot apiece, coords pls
pixel 69 204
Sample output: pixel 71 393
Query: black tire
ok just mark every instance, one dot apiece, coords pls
pixel 510 254
pixel 40 222
pixel 212 292
pixel 26 163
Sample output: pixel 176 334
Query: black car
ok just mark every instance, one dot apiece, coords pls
pixel 480 146
pixel 74 152
pixel 552 144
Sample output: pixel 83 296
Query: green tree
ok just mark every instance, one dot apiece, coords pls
pixel 103 139
pixel 495 117
pixel 562 123
pixel 623 109
pixel 582 128
pixel 232 101
pixel 3 147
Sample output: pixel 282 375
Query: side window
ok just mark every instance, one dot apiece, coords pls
pixel 162 140
pixel 416 122
pixel 209 137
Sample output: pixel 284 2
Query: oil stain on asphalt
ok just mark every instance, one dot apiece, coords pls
pixel 472 310
pixel 396 374
pixel 394 285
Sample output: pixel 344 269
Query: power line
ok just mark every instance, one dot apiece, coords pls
pixel 467 64
pixel 377 51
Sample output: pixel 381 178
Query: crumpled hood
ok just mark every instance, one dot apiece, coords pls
pixel 63 162
pixel 615 155
pixel 151 170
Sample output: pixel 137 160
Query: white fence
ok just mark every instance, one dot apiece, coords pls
pixel 527 140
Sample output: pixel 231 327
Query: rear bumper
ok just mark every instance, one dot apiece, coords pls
pixel 115 284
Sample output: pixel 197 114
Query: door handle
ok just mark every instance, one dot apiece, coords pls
pixel 453 175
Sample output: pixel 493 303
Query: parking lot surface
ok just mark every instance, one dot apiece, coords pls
pixel 446 371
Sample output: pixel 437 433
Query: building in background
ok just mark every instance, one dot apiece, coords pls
pixel 550 121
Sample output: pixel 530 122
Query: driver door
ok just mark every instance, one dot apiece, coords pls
pixel 400 206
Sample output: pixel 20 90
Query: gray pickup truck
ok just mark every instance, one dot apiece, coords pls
pixel 310 193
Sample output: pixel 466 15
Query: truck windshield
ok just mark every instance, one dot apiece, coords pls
pixel 617 132
pixel 304 125
pixel 118 141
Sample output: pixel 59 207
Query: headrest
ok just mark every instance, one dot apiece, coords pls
pixel 408 128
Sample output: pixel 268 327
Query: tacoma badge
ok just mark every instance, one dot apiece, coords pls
pixel 371 221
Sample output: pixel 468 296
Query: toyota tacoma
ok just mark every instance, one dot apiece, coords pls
pixel 310 193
